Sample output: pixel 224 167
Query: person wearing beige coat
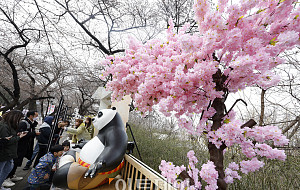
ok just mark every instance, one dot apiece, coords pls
pixel 79 132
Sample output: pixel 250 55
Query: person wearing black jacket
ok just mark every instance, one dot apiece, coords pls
pixel 25 145
pixel 9 142
pixel 31 118
pixel 43 138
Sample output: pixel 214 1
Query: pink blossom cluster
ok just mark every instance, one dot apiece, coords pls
pixel 203 125
pixel 177 73
pixel 242 41
pixel 263 134
pixel 247 148
pixel 193 171
pixel 231 134
pixel 154 74
pixel 210 175
pixel 251 165
pixel 248 44
pixel 170 171
pixel 231 172
pixel 269 152
pixel 266 133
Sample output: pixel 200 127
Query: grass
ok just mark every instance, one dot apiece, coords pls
pixel 275 175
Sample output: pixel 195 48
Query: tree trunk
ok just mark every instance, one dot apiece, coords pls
pixel 42 109
pixel 32 102
pixel 3 98
pixel 32 105
pixel 216 155
pixel 16 91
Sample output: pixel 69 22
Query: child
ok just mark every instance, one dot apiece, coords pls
pixel 41 173
pixel 66 145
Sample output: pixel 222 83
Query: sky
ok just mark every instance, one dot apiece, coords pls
pixel 67 41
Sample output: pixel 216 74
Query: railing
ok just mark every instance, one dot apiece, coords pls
pixel 139 176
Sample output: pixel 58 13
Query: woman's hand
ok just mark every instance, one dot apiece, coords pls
pixel 8 138
pixel 23 134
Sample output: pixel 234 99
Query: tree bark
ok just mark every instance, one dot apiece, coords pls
pixel 291 125
pixel 16 92
pixel 262 107
pixel 216 154
pixel 42 108
pixel 2 96
pixel 294 130
pixel 25 40
pixel 32 102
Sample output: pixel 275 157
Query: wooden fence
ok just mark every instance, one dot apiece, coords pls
pixel 139 176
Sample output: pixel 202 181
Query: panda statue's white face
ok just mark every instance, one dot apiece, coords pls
pixel 103 118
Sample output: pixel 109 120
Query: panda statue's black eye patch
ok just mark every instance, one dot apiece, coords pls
pixel 100 114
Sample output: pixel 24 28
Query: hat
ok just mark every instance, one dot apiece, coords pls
pixel 48 120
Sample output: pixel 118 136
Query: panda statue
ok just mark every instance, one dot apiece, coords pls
pixel 99 159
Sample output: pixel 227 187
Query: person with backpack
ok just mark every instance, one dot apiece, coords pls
pixel 43 138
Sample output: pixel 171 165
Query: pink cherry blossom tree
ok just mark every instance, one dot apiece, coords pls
pixel 237 46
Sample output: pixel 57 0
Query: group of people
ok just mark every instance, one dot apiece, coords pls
pixel 17 139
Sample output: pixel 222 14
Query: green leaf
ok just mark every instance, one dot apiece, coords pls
pixel 273 42
pixel 226 120
pixel 281 1
pixel 259 11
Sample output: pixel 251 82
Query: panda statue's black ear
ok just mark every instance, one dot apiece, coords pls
pixel 113 108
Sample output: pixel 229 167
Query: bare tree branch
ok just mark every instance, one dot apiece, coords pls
pixel 291 125
pixel 262 107
pixel 100 45
pixel 294 131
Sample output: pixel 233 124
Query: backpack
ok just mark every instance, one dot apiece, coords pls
pixel 27 124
